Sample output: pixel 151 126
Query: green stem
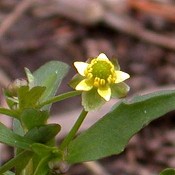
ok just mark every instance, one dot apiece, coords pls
pixel 59 98
pixel 74 129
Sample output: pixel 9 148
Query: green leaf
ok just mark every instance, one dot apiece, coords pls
pixel 8 173
pixel 10 138
pixel 50 75
pixel 9 112
pixel 91 100
pixel 33 118
pixel 17 128
pixel 43 134
pixel 29 75
pixel 111 134
pixel 43 168
pixel 28 98
pixel 168 171
pixel 12 102
pixel 44 150
pixel 41 149
pixel 19 160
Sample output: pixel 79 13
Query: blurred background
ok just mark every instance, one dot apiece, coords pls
pixel 139 33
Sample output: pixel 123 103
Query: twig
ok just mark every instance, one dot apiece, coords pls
pixel 14 16
pixel 82 11
pixel 127 25
pixel 113 15
pixel 164 10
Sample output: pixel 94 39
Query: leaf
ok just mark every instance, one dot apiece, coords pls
pixel 19 160
pixel 11 102
pixel 50 75
pixel 43 168
pixel 17 128
pixel 111 134
pixel 168 171
pixel 9 112
pixel 43 134
pixel 28 98
pixel 41 149
pixel 8 173
pixel 10 138
pixel 44 150
pixel 91 100
pixel 29 75
pixel 33 118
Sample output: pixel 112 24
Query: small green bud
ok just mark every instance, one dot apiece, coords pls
pixel 14 86
pixel 58 167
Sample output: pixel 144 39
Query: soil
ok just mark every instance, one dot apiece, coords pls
pixel 33 41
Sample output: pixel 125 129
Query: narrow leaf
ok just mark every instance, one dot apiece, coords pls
pixel 41 149
pixel 43 168
pixel 18 160
pixel 111 134
pixel 9 112
pixel 29 75
pixel 10 138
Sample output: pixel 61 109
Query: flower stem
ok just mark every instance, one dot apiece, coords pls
pixel 59 98
pixel 74 129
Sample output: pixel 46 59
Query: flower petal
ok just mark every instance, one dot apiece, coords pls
pixel 81 67
pixel 84 85
pixel 76 80
pixel 105 92
pixel 102 56
pixel 121 76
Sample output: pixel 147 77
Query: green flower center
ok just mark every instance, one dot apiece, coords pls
pixel 101 72
pixel 101 69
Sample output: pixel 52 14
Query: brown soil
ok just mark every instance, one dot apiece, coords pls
pixel 32 41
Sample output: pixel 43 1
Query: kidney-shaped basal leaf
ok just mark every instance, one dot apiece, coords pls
pixel 111 134
pixel 10 138
pixel 50 75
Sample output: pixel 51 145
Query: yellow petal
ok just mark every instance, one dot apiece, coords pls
pixel 81 67
pixel 102 56
pixel 121 76
pixel 105 92
pixel 84 85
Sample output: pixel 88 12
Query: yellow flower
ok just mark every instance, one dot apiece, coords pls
pixel 101 74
